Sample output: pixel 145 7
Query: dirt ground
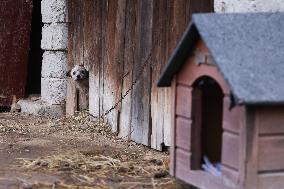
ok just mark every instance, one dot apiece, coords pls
pixel 78 152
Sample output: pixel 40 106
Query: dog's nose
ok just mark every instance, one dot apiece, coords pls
pixel 78 77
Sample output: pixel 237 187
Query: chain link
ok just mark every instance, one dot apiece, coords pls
pixel 146 61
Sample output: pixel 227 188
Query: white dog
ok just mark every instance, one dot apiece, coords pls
pixel 81 77
pixel 79 72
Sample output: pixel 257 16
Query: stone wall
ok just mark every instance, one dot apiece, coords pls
pixel 54 62
pixel 240 6
pixel 54 44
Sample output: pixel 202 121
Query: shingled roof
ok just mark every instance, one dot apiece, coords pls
pixel 248 49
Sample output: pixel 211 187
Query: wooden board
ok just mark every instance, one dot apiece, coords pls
pixel 271 120
pixel 125 128
pixel 183 133
pixel 117 38
pixel 76 53
pixel 271 180
pixel 141 125
pixel 271 153
pixel 230 150
pixel 15 19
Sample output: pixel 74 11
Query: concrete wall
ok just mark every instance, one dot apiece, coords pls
pixel 54 43
pixel 54 62
pixel 241 6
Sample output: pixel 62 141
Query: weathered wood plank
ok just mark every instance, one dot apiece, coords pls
pixel 141 92
pixel 76 99
pixel 104 23
pixel 71 106
pixel 129 59
pixel 166 93
pixel 110 65
pixel 158 106
pixel 94 53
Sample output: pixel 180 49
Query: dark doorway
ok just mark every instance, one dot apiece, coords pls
pixel 207 115
pixel 35 54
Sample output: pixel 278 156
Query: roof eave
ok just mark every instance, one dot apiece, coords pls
pixel 179 55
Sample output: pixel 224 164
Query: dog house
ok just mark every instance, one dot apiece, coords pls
pixel 227 76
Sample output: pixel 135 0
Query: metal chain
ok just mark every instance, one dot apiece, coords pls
pixel 133 83
pixel 146 61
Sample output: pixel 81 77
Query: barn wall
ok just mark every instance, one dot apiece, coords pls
pixel 248 6
pixel 113 39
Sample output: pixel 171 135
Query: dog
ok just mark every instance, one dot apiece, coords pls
pixel 80 76
pixel 79 72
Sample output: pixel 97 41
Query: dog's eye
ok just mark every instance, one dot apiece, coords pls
pixel 74 73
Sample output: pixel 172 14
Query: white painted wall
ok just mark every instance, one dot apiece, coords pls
pixel 241 6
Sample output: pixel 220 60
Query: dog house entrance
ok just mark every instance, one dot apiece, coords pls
pixel 33 85
pixel 207 115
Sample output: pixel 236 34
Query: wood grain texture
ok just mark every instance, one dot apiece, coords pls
pixel 71 106
pixel 76 99
pixel 113 59
pixel 158 105
pixel 95 86
pixel 141 126
pixel 117 38
pixel 128 63
pixel 15 28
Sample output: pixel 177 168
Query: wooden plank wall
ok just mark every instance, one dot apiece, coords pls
pixel 15 29
pixel 113 38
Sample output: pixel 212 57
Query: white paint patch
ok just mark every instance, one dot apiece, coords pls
pixel 242 6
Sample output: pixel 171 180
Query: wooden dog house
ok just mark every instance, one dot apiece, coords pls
pixel 227 77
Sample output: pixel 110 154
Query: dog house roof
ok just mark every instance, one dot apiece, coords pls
pixel 248 49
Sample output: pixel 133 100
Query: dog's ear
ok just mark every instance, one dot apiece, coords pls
pixel 68 74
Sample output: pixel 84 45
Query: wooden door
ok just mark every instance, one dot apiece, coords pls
pixel 15 26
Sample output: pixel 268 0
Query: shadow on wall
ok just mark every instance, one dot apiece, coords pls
pixel 35 54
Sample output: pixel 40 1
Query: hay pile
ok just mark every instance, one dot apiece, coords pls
pixel 84 122
pixel 10 123
pixel 98 171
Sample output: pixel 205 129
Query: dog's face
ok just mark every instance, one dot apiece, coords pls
pixel 78 73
